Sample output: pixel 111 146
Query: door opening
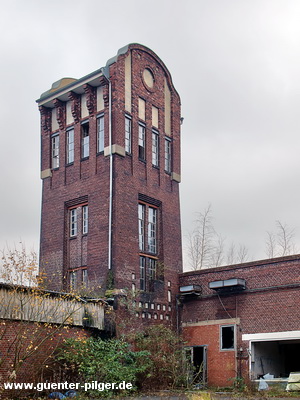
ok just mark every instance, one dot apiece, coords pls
pixel 196 362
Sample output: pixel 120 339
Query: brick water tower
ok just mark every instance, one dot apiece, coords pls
pixel 110 165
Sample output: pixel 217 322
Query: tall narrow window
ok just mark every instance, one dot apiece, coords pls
pixel 128 135
pixel 152 268
pixel 100 134
pixel 155 148
pixel 73 222
pixel 152 230
pixel 70 146
pixel 84 278
pixel 85 141
pixel 142 273
pixel 141 227
pixel 73 280
pixel 55 151
pixel 142 142
pixel 168 155
pixel 85 220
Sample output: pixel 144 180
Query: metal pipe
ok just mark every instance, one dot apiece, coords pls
pixel 110 182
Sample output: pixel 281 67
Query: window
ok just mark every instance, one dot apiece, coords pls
pixel 141 227
pixel 85 220
pixel 70 146
pixel 73 280
pixel 155 148
pixel 142 273
pixel 147 274
pixel 79 220
pixel 168 155
pixel 227 337
pixel 84 277
pixel 85 140
pixel 148 244
pixel 73 222
pixel 100 134
pixel 152 229
pixel 55 151
pixel 128 135
pixel 142 142
pixel 152 268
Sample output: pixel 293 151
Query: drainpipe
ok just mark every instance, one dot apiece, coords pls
pixel 106 74
pixel 110 184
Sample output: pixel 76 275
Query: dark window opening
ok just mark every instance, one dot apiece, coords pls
pixel 227 337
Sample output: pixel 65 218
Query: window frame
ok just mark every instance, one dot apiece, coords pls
pixel 128 134
pixel 73 278
pixel 85 219
pixel 168 155
pixel 141 224
pixel 85 277
pixel 155 148
pixel 73 218
pixel 100 133
pixel 142 273
pixel 222 327
pixel 152 230
pixel 70 146
pixel 142 142
pixel 85 140
pixel 55 151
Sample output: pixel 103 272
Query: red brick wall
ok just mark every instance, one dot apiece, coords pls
pixel 270 303
pixel 21 338
pixel 221 365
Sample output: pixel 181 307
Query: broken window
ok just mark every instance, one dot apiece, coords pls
pixel 227 337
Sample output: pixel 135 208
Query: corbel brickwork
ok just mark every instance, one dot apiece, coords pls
pixel 45 118
pixel 104 83
pixel 91 99
pixel 75 106
pixel 60 113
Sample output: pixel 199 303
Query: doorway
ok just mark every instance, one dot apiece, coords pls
pixel 196 362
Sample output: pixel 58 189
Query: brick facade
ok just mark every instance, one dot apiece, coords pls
pixel 134 85
pixel 19 337
pixel 263 314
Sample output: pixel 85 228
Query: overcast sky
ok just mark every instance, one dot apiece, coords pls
pixel 236 66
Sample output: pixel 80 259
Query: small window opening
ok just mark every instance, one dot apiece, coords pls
pixel 227 337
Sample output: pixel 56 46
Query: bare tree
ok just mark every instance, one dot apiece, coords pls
pixel 242 254
pixel 231 254
pixel 281 243
pixel 271 245
pixel 201 241
pixel 217 258
pixel 206 248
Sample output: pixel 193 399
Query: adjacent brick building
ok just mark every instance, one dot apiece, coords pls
pixel 243 320
pixel 110 165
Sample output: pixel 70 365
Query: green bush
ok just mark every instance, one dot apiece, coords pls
pixel 103 361
pixel 166 369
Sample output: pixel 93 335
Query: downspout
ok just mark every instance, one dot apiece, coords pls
pixel 105 71
pixel 110 181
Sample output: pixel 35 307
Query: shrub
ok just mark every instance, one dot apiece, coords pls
pixel 103 361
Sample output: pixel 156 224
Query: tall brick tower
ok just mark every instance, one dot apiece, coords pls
pixel 110 166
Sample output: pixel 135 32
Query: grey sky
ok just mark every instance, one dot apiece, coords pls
pixel 236 66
